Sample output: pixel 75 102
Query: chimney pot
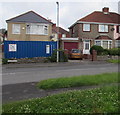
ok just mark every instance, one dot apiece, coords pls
pixel 105 10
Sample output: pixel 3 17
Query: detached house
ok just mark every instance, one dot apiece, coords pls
pixel 98 28
pixel 29 26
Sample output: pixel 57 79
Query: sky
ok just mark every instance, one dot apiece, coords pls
pixel 69 12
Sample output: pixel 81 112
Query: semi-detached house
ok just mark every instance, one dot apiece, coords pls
pixel 98 28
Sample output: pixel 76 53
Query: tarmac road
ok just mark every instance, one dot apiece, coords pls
pixel 22 73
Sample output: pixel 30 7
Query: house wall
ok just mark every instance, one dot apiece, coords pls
pixel 27 37
pixel 94 32
pixel 74 31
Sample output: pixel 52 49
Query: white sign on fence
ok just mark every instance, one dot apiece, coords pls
pixel 12 47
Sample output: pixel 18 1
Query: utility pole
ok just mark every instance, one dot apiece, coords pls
pixel 57 31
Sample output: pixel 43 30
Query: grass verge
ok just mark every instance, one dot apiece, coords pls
pixel 100 100
pixel 114 61
pixel 76 81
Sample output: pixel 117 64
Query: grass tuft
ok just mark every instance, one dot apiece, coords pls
pixel 76 81
pixel 114 61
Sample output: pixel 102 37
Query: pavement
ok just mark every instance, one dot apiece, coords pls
pixel 69 63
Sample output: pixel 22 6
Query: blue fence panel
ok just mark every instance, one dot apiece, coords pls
pixel 28 49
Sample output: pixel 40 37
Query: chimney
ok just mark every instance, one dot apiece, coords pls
pixel 54 25
pixel 105 10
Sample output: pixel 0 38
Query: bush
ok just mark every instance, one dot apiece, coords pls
pixel 99 49
pixel 4 60
pixel 114 51
pixel 62 56
pixel 105 52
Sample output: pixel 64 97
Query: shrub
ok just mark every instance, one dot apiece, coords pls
pixel 4 60
pixel 99 49
pixel 114 51
pixel 105 52
pixel 62 56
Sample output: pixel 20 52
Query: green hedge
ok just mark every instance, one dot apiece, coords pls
pixel 99 49
pixel 114 51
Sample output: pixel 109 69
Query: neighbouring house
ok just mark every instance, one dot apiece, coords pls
pixel 98 28
pixel 63 36
pixel 60 32
pixel 29 26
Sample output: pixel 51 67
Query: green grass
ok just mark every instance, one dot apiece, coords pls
pixel 99 100
pixel 114 61
pixel 76 81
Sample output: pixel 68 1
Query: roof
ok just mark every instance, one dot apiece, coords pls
pixel 61 30
pixel 29 17
pixel 102 18
pixel 103 37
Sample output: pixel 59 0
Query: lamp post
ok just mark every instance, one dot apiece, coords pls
pixel 57 31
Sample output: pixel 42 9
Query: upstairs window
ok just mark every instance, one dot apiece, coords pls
pixel 16 28
pixel 37 29
pixel 63 35
pixel 103 28
pixel 118 29
pixel 86 27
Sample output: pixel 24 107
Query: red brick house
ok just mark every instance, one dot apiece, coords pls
pixel 98 28
pixel 62 32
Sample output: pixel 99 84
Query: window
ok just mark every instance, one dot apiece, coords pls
pixel 117 43
pixel 98 43
pixel 110 44
pixel 47 49
pixel 63 35
pixel 118 29
pixel 105 44
pixel 16 28
pixel 38 29
pixel 103 28
pixel 86 27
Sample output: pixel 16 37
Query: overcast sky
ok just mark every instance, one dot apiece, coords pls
pixel 70 12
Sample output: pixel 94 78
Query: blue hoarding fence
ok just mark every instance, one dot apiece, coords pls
pixel 28 49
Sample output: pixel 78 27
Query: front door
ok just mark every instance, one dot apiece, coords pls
pixel 86 47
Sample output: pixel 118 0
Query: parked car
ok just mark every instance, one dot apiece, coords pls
pixel 75 54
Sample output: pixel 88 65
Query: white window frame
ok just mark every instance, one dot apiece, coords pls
pixel 86 27
pixel 104 27
pixel 103 41
pixel 37 29
pixel 15 28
